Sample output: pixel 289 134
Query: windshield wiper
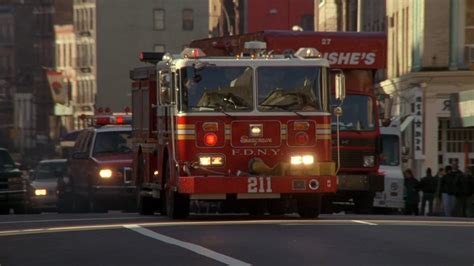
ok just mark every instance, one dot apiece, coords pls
pixel 284 107
pixel 218 108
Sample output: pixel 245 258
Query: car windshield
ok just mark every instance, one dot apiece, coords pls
pixel 6 160
pixel 112 142
pixel 50 170
pixel 289 89
pixel 358 114
pixel 216 88
pixel 391 150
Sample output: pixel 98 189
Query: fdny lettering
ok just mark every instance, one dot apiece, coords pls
pixel 355 58
pixel 246 139
pixel 255 152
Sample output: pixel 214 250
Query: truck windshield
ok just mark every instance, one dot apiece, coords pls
pixel 358 114
pixel 289 89
pixel 112 142
pixel 5 160
pixel 391 150
pixel 216 88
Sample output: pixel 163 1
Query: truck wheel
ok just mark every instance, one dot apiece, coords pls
pixel 308 206
pixel 256 207
pixel 277 206
pixel 4 211
pixel 364 203
pixel 145 205
pixel 177 205
pixel 96 206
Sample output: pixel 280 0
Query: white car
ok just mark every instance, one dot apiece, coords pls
pixel 44 183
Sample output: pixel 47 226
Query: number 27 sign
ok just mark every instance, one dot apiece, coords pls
pixel 259 184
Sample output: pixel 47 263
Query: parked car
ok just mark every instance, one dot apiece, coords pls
pixel 99 169
pixel 44 182
pixel 14 188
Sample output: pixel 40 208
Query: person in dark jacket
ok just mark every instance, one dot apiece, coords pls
pixel 462 193
pixel 447 190
pixel 411 193
pixel 428 185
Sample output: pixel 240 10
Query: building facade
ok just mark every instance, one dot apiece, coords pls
pixel 430 59
pixel 351 15
pixel 111 34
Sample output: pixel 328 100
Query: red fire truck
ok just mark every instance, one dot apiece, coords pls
pixel 360 56
pixel 254 130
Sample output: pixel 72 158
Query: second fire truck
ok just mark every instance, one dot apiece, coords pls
pixel 254 129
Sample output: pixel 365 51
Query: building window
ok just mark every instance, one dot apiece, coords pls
pixel 188 19
pixel 159 19
pixel 159 48
pixel 307 22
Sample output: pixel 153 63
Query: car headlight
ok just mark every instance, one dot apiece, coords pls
pixel 105 173
pixel 369 161
pixel 302 159
pixel 41 192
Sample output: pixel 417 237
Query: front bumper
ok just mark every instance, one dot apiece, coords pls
pixel 113 191
pixel 256 185
pixel 371 182
pixel 9 198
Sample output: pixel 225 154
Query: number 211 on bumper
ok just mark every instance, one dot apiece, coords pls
pixel 259 184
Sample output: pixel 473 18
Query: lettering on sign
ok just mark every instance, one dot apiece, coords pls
pixel 255 152
pixel 259 184
pixel 418 124
pixel 350 58
pixel 246 140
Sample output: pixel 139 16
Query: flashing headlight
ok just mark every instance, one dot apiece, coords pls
pixel 41 192
pixel 105 173
pixel 369 161
pixel 296 160
pixel 302 159
pixel 308 159
pixel 211 160
pixel 256 130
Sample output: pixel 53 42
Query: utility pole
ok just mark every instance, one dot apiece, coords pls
pixel 360 15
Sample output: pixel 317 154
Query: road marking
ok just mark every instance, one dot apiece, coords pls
pixel 363 222
pixel 73 220
pixel 186 245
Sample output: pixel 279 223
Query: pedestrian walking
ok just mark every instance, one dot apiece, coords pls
pixel 437 203
pixel 462 192
pixel 428 185
pixel 447 190
pixel 411 193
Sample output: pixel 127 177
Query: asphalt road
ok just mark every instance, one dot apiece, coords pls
pixel 130 239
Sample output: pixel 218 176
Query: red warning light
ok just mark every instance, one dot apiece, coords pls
pixel 210 139
pixel 100 110
pixel 119 120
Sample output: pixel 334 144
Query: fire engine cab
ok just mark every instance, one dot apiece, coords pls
pixel 254 129
pixel 99 169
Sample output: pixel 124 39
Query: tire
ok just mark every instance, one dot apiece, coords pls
pixel 277 207
pixel 177 205
pixel 308 206
pixel 96 206
pixel 145 205
pixel 4 211
pixel 364 203
pixel 256 207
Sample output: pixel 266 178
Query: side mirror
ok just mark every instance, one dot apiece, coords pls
pixel 80 155
pixel 340 89
pixel 31 175
pixel 165 87
pixel 405 150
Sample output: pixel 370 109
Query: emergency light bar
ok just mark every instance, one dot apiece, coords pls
pixel 151 57
pixel 192 53
pixel 308 53
pixel 112 120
